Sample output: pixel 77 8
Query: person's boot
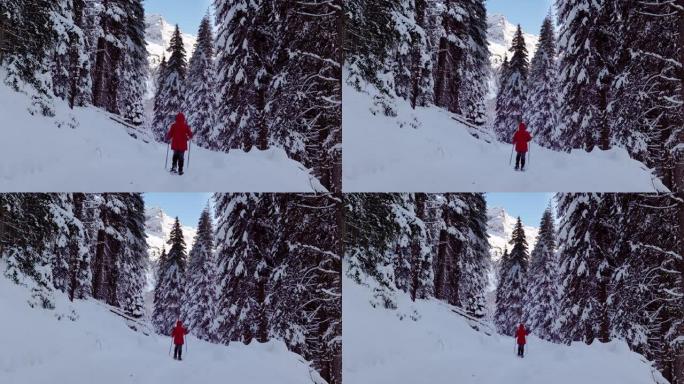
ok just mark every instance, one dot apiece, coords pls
pixel 181 163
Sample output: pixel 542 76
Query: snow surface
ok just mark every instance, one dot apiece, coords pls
pixel 46 346
pixel 426 150
pixel 84 150
pixel 426 342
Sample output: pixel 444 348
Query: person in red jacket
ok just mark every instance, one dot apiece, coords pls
pixel 520 140
pixel 178 334
pixel 520 334
pixel 179 134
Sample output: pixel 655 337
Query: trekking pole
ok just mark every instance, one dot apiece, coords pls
pixel 189 150
pixel 510 160
pixel 170 347
pixel 166 163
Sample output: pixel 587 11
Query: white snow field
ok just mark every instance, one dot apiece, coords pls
pixel 441 347
pixel 426 150
pixel 84 150
pixel 98 347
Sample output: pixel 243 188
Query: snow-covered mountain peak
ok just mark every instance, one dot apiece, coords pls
pixel 158 33
pixel 500 34
pixel 500 226
pixel 158 229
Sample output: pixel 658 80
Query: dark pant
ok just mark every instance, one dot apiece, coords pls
pixel 521 350
pixel 520 160
pixel 178 159
pixel 178 351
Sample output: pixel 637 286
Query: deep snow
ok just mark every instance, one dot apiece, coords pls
pixel 441 347
pixel 84 150
pixel 426 150
pixel 98 347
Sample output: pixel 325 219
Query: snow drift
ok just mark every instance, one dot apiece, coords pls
pixel 430 342
pixel 84 342
pixel 427 150
pixel 85 150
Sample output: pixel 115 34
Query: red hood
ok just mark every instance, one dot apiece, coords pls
pixel 522 127
pixel 180 118
pixel 179 324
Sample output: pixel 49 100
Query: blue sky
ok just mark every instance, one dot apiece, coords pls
pixel 529 206
pixel 186 13
pixel 187 206
pixel 528 13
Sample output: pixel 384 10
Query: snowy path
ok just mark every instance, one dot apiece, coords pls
pixel 441 156
pixel 99 348
pixel 99 155
pixel 441 348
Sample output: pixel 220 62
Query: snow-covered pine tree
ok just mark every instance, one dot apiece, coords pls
pixel 369 41
pixel 583 75
pixel 134 66
pixel 171 87
pixel 450 52
pixel 25 243
pixel 510 101
pixel 108 33
pixel 541 105
pixel 278 274
pixel 69 252
pixel 412 251
pixel 462 258
pixel 512 288
pixel 28 37
pixel 370 233
pixel 500 294
pixel 307 275
pixel 236 265
pixel 70 67
pixel 119 251
pixel 586 234
pixel 539 311
pixel 198 301
pixel 200 87
pixel 171 283
pixel 475 65
pixel 133 260
pixel 244 50
pixel 304 97
pixel 412 66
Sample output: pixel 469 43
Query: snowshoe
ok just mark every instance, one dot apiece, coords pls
pixel 181 173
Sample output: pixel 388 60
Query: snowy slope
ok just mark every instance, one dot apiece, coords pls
pixel 45 346
pixel 426 150
pixel 84 150
pixel 500 229
pixel 432 344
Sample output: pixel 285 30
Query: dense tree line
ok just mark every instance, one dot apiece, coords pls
pixel 85 245
pixel 425 245
pixel 270 269
pixel 84 52
pixel 613 270
pixel 427 52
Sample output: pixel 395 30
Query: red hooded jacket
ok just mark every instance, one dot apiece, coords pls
pixel 521 138
pixel 520 335
pixel 178 333
pixel 179 134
